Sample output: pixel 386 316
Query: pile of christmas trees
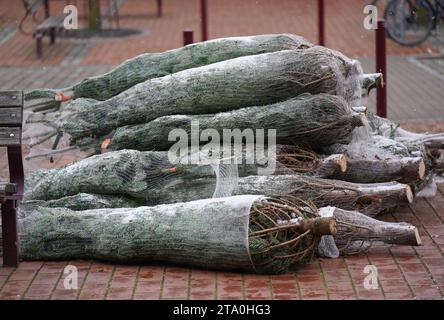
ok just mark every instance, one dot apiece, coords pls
pixel 322 170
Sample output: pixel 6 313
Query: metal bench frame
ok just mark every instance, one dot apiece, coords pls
pixel 51 24
pixel 11 115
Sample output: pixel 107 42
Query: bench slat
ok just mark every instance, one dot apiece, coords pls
pixel 11 117
pixel 10 136
pixel 51 22
pixel 11 99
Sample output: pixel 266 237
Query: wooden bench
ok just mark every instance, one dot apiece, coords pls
pixel 48 26
pixel 51 24
pixel 11 115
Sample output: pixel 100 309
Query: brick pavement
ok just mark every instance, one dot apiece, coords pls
pixel 414 93
pixel 344 29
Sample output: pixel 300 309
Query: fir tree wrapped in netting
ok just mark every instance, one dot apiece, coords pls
pixel 140 175
pixel 308 120
pixel 153 65
pixel 243 233
pixel 152 178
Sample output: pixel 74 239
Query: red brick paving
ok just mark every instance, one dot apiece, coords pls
pixel 344 29
pixel 413 94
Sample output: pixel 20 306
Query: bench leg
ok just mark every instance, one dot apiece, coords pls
pixel 9 230
pixel 38 39
pixel 159 8
pixel 52 35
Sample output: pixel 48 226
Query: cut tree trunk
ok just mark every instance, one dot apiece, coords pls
pixel 405 170
pixel 356 232
pixel 375 158
pixel 360 109
pixel 331 165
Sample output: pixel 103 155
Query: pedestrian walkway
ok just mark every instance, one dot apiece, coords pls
pixel 344 29
pixel 414 93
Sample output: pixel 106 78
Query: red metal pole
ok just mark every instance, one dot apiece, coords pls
pixel 159 8
pixel 204 19
pixel 187 37
pixel 321 25
pixel 381 66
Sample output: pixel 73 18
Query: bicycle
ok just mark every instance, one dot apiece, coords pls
pixel 410 22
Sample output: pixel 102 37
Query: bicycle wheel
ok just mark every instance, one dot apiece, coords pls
pixel 409 22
